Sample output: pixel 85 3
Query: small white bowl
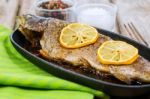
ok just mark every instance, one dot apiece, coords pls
pixel 107 22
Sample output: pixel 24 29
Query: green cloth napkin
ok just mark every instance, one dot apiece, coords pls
pixel 16 72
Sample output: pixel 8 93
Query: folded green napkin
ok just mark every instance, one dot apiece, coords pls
pixel 18 75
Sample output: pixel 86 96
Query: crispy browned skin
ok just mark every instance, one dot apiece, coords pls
pixel 86 56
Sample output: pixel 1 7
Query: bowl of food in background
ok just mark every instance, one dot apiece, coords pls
pixel 60 9
pixel 102 16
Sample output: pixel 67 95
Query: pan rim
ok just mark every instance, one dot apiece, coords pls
pixel 77 74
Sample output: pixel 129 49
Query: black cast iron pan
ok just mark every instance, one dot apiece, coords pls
pixel 113 89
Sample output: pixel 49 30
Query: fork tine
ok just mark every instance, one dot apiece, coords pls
pixel 129 31
pixel 134 32
pixel 138 34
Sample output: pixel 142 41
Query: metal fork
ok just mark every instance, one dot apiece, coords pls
pixel 134 33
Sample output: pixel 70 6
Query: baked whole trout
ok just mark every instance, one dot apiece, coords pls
pixel 45 33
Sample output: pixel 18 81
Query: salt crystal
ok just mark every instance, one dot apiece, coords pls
pixel 98 17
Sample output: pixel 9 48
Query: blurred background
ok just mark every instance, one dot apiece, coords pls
pixel 9 9
pixel 132 15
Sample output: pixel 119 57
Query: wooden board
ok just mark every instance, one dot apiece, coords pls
pixel 133 20
pixel 26 6
pixel 8 11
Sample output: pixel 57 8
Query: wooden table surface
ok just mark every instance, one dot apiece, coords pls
pixel 9 9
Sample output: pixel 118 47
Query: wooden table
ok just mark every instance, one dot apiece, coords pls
pixel 9 9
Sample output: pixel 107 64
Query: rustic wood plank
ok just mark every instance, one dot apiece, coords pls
pixel 25 7
pixel 92 1
pixel 134 17
pixel 8 11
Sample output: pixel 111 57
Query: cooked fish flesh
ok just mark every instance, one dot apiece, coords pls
pixel 32 28
pixel 49 30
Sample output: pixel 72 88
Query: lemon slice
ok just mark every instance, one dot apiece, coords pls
pixel 117 53
pixel 77 35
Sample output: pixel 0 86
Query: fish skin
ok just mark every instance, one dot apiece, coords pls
pixel 85 56
pixel 32 27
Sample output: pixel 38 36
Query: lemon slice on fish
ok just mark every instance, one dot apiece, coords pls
pixel 77 35
pixel 117 53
